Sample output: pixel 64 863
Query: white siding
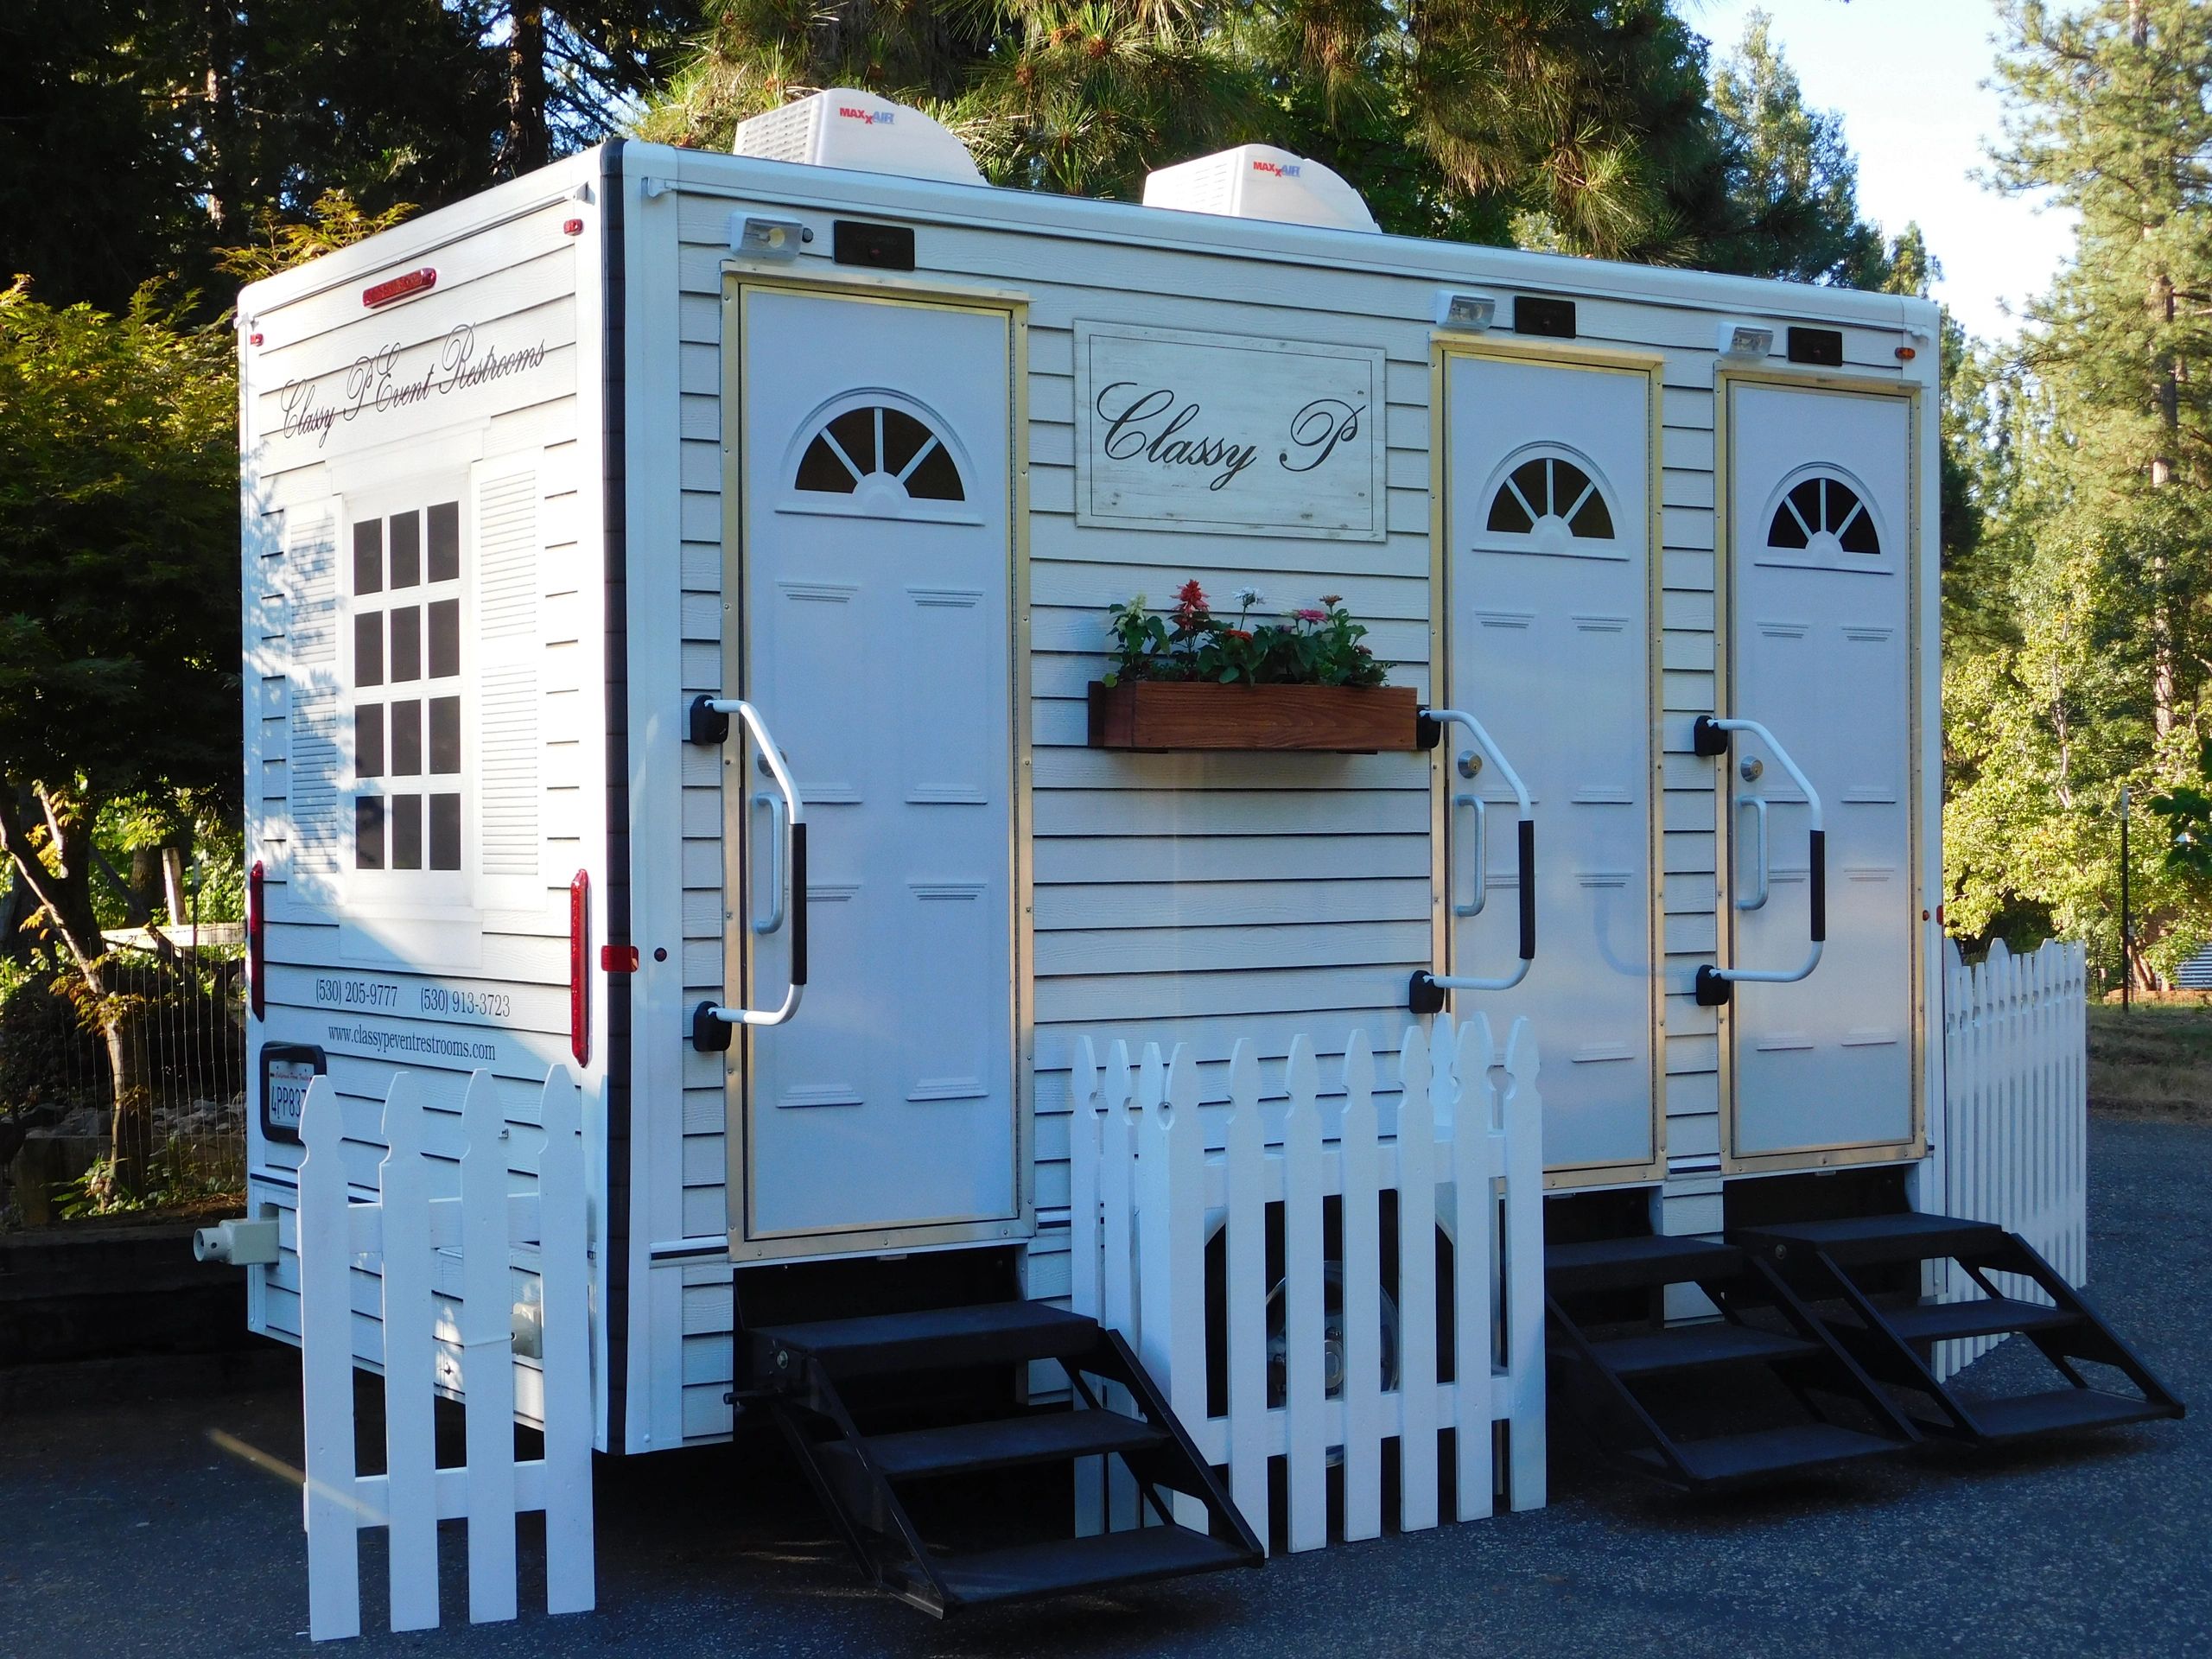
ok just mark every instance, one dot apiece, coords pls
pixel 1182 898
pixel 497 958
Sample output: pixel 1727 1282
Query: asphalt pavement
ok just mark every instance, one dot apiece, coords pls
pixel 150 1520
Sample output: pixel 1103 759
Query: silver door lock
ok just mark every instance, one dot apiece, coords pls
pixel 1751 769
pixel 1470 763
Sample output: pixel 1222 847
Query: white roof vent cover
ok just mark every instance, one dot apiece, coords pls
pixel 843 127
pixel 1260 182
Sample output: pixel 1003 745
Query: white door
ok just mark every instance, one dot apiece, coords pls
pixel 1549 528
pixel 1819 622
pixel 876 555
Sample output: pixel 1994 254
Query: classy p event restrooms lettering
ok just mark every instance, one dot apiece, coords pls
pixel 1227 434
pixel 374 383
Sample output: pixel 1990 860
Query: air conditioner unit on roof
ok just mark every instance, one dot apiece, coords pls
pixel 1260 182
pixel 844 127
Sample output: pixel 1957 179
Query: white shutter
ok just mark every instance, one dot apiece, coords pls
pixel 309 584
pixel 507 642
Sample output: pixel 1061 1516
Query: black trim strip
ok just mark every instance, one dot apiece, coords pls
pixel 614 480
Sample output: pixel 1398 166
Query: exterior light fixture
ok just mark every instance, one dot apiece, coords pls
pixel 1744 339
pixel 767 239
pixel 1473 312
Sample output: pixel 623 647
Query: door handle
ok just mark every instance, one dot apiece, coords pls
pixel 1710 737
pixel 1425 991
pixel 708 723
pixel 1473 906
pixel 1757 803
pixel 777 885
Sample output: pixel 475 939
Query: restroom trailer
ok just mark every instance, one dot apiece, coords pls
pixel 672 584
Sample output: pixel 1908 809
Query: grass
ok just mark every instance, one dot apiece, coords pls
pixel 2154 1061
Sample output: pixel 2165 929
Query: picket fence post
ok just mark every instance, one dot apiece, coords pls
pixel 1358 1155
pixel 1245 1285
pixel 398 1233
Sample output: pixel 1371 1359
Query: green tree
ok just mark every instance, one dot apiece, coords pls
pixel 1585 126
pixel 1792 183
pixel 568 74
pixel 118 617
pixel 2087 668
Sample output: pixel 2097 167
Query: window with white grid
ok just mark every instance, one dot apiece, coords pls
pixel 406 692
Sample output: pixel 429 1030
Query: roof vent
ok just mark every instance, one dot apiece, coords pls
pixel 1260 182
pixel 847 128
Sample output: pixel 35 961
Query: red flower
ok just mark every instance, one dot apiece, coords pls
pixel 1312 615
pixel 1237 633
pixel 1190 596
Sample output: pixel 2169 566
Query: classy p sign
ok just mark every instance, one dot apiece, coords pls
pixel 1226 433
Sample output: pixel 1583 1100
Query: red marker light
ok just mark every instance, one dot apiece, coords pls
pixel 579 980
pixel 256 928
pixel 573 228
pixel 398 288
pixel 1905 354
pixel 253 340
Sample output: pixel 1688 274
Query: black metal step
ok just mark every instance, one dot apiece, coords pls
pixel 1989 1316
pixel 1687 1347
pixel 1064 1566
pixel 1643 1263
pixel 1048 1437
pixel 2061 1411
pixel 991 1333
pixel 1858 1241
pixel 1729 1458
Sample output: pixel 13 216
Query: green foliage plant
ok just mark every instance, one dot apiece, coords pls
pixel 1317 645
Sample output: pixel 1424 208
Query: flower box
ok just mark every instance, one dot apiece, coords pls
pixel 1156 715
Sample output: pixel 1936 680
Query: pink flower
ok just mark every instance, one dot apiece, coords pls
pixel 1312 615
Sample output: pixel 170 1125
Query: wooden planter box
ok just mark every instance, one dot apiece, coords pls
pixel 1334 719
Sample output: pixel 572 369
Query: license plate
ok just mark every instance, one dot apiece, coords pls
pixel 288 1092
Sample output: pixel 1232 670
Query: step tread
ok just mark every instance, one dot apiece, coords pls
pixel 1629 1263
pixel 1688 1346
pixel 1064 1565
pixel 1907 1235
pixel 1002 1443
pixel 1984 1317
pixel 1774 1451
pixel 2059 1411
pixel 983 1334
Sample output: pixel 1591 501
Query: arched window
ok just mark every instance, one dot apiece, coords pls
pixel 1550 488
pixel 879 444
pixel 1822 505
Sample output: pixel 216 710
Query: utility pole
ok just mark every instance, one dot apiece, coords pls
pixel 2127 921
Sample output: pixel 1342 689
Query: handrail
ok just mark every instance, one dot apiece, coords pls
pixel 708 724
pixel 1425 991
pixel 1709 737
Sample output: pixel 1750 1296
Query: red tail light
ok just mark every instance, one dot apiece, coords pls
pixel 579 967
pixel 398 288
pixel 255 989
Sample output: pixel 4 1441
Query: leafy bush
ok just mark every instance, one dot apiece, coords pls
pixel 46 1054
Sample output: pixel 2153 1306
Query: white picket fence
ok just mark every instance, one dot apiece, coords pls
pixel 399 1237
pixel 2014 1143
pixel 1148 1198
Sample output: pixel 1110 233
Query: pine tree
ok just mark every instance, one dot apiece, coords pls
pixel 2093 672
